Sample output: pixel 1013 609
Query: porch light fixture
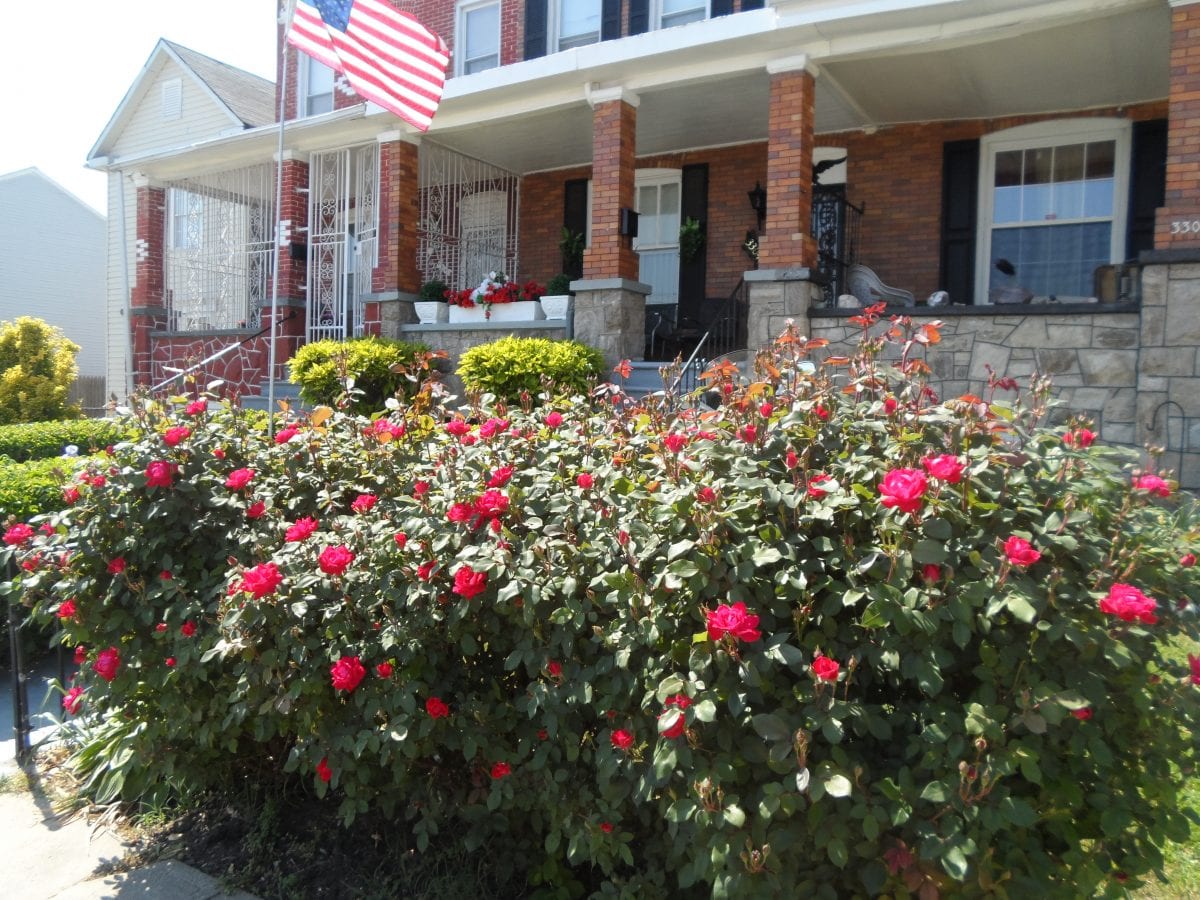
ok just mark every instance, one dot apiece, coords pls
pixel 758 202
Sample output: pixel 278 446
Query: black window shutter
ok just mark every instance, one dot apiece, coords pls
pixel 693 204
pixel 1147 184
pixel 535 28
pixel 610 20
pixel 722 8
pixel 575 193
pixel 960 182
pixel 751 4
pixel 639 16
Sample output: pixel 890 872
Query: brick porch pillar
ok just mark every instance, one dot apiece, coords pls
pixel 610 303
pixel 1177 221
pixel 396 279
pixel 293 263
pixel 786 282
pixel 147 298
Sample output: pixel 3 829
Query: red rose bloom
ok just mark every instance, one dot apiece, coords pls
pixel 117 566
pixel 621 739
pixel 553 419
pixel 459 513
pixel 606 827
pixel 791 460
pixel 401 539
pixel 491 503
pixel 825 668
pixel 436 708
pixel 72 699
pixel 262 580
pixel 286 434
pixel 80 655
pixel 335 560
pixel 67 609
pixel 363 502
pixel 931 572
pixel 889 405
pixel 677 724
pixel 945 468
pixel 732 620
pixel 160 627
pixel 1081 438
pixel 71 495
pixel 748 433
pixel 165 575
pixel 821 412
pixel 107 663
pixel 18 534
pixel 420 488
pixel 675 442
pixel 457 427
pixel 554 667
pixel 188 628
pixel 904 489
pixel 1194 665
pixel 170 662
pixel 196 407
pixel 301 529
pixel 1187 560
pixel 1020 552
pixel 239 478
pixel 706 495
pixel 173 436
pixel 500 770
pixel 425 570
pixel 1153 485
pixel 584 480
pixel 500 477
pixel 1083 714
pixel 1129 605
pixel 323 770
pixel 256 510
pixel 346 673
pixel 468 582
pixel 817 484
pixel 683 701
pixel 160 474
pixel 384 670
pixel 219 452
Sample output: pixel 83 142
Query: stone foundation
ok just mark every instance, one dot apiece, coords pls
pixel 775 297
pixel 457 339
pixel 610 314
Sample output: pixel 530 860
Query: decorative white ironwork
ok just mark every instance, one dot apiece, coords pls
pixel 343 227
pixel 219 252
pixel 469 218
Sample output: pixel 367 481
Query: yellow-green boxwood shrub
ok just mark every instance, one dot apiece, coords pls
pixel 43 440
pixel 322 370
pixel 511 366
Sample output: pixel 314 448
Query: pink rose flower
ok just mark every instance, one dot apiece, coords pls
pixel 437 708
pixel 1020 552
pixel 239 478
pixel 825 668
pixel 107 663
pixel 72 699
pixel 457 427
pixel 173 436
pixel 335 560
pixel 301 529
pixel 553 419
pixel 346 673
pixel 384 670
pixel 196 407
pixel 904 489
pixel 468 583
pixel 584 480
pixel 18 534
pixel 945 468
pixel 500 477
pixel 459 513
pixel 1152 485
pixel 262 580
pixel 160 474
pixel 732 620
pixel 1194 666
pixel 256 510
pixel 1129 605
pixel 1187 560
pixel 363 502
pixel 621 739
pixel 286 434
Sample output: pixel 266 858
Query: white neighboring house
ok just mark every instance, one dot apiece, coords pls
pixel 52 262
pixel 180 98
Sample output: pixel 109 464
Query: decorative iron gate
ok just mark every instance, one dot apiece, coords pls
pixel 837 225
pixel 343 228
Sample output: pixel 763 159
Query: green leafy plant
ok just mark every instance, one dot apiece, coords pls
pixel 691 239
pixel 43 440
pixel 37 369
pixel 570 245
pixel 30 488
pixel 363 371
pixel 831 638
pixel 511 366
pixel 434 290
pixel 559 284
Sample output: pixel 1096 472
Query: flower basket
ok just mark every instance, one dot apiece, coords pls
pixel 430 312
pixel 555 305
pixel 521 311
pixel 497 300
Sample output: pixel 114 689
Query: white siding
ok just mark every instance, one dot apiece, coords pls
pixel 52 262
pixel 146 129
pixel 116 318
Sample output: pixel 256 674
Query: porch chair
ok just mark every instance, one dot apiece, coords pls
pixel 864 284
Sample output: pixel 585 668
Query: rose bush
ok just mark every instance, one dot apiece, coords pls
pixel 764 652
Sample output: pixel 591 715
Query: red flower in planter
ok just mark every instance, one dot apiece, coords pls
pixel 490 504
pixel 239 478
pixel 346 673
pixel 732 620
pixel 947 467
pixel 468 583
pixel 160 474
pixel 262 580
pixel 174 436
pixel 553 419
pixel 1020 552
pixel 335 560
pixel 459 513
pixel 196 407
pixel 107 663
pixel 436 708
pixel 1129 605
pixel 301 529
pixel 457 427
pixel 825 668
pixel 904 489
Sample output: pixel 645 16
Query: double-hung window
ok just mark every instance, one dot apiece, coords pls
pixel 681 12
pixel 657 243
pixel 478 46
pixel 577 22
pixel 1053 200
pixel 316 87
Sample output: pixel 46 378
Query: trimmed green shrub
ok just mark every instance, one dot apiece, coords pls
pixel 831 639
pixel 357 374
pixel 559 284
pixel 30 488
pixel 43 440
pixel 512 366
pixel 37 369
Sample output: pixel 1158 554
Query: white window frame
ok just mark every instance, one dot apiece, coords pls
pixel 180 213
pixel 303 97
pixel 656 14
pixel 460 30
pixel 657 178
pixel 555 26
pixel 1049 134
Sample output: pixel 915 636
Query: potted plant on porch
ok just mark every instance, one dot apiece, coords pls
pixel 497 299
pixel 432 306
pixel 557 298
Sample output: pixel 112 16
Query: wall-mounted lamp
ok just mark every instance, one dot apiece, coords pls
pixel 628 226
pixel 758 203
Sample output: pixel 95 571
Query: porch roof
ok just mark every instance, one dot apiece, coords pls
pixel 880 62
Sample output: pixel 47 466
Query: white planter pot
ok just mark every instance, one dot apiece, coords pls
pixel 555 305
pixel 430 312
pixel 522 311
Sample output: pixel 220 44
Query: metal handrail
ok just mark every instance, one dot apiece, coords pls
pixel 213 357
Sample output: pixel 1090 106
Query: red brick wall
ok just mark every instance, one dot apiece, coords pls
pixel 399 211
pixel 786 241
pixel 611 255
pixel 293 210
pixel 1183 135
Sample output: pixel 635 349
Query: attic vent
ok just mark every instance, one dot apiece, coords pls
pixel 172 99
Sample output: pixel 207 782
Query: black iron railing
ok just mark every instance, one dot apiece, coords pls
pixel 837 227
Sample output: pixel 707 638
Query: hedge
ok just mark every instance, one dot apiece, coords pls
pixel 43 440
pixel 360 374
pixel 835 638
pixel 513 366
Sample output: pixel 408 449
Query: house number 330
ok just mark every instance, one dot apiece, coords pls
pixel 1185 226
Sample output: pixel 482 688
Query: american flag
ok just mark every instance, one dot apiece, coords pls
pixel 387 55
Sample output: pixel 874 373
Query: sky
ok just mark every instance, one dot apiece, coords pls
pixel 62 88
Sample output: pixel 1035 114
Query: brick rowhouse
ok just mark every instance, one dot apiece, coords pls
pixel 788 242
pixel 147 300
pixel 614 124
pixel 1178 222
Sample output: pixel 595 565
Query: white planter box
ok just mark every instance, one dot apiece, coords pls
pixel 555 305
pixel 430 312
pixel 522 311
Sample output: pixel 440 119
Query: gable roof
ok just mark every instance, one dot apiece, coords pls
pixel 247 99
pixel 33 172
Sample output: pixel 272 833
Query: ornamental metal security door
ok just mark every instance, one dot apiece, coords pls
pixel 343 228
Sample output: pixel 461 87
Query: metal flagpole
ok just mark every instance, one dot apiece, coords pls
pixel 287 13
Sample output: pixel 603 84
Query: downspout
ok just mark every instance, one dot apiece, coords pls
pixel 126 309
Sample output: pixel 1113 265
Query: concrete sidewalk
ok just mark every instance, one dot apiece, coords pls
pixel 48 856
